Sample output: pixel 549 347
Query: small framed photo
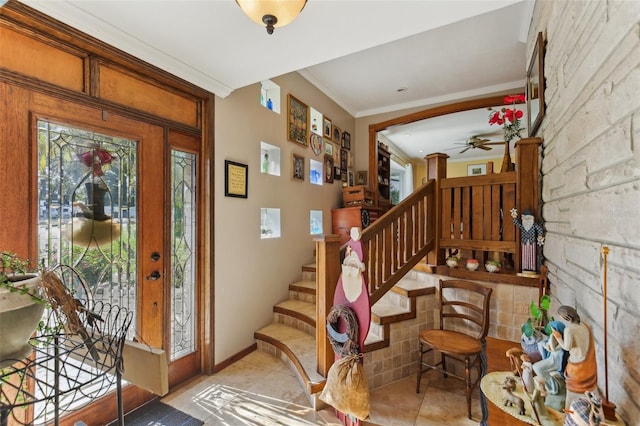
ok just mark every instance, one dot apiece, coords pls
pixel 236 178
pixel 337 174
pixel 298 120
pixel 362 177
pixel 297 167
pixel 337 133
pixel 344 159
pixel 328 148
pixel 476 169
pixel 327 128
pixel 346 141
pixel 535 87
pixel 350 177
pixel 328 168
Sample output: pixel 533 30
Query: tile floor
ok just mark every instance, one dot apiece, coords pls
pixel 262 390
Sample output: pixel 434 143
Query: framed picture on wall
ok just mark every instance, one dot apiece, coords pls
pixel 346 141
pixel 476 169
pixel 362 177
pixel 535 87
pixel 327 127
pixel 297 167
pixel 328 148
pixel 344 159
pixel 297 120
pixel 328 168
pixel 336 134
pixel 236 179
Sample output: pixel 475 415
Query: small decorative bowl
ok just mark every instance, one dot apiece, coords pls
pixel 472 264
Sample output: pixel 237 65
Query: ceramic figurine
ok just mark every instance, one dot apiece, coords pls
pixel 510 399
pixel 472 264
pixel 581 373
pixel 452 261
pixel 532 236
pixel 527 372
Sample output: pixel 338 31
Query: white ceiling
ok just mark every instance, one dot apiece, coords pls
pixel 358 52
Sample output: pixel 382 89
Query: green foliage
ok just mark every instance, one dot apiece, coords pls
pixel 539 318
pixel 13 271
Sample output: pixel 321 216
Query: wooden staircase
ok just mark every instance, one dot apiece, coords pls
pixel 291 335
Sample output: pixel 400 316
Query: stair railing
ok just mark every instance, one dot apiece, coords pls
pixel 392 245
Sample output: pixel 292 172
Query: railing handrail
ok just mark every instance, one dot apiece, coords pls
pixel 398 240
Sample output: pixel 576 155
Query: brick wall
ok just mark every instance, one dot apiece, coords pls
pixel 591 175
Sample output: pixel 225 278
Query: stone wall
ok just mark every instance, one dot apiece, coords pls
pixel 591 176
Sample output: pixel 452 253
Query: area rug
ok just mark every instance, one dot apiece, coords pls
pixel 157 413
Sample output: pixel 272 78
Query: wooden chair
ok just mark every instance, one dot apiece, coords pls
pixel 464 323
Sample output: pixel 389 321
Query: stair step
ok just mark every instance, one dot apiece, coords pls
pixel 299 309
pixel 310 267
pixel 408 287
pixel 299 347
pixel 386 313
pixel 304 286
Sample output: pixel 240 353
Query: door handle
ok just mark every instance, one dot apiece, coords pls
pixel 154 276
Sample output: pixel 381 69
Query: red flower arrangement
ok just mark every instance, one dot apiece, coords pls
pixel 95 159
pixel 509 118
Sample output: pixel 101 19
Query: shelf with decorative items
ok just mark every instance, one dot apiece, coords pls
pixel 269 159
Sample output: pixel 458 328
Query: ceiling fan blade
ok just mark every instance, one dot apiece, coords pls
pixel 494 143
pixel 465 150
pixel 486 148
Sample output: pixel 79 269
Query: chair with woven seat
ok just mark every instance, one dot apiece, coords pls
pixel 464 323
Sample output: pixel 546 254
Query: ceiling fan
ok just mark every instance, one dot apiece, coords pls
pixel 477 142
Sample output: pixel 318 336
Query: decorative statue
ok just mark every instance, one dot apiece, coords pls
pixel 539 394
pixel 581 373
pixel 527 372
pixel 511 399
pixel 532 236
pixel 552 366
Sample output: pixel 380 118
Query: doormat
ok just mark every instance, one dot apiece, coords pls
pixel 157 413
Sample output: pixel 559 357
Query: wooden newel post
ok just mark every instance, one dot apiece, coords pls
pixel 328 267
pixel 436 170
pixel 528 186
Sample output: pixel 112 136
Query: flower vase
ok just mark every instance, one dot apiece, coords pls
pixel 507 165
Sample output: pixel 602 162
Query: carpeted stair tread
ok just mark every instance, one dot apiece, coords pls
pixel 299 346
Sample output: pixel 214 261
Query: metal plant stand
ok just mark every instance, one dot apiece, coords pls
pixel 65 370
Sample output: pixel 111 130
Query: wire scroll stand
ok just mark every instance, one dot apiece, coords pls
pixel 66 369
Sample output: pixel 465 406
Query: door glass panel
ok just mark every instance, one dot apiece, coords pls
pixel 87 209
pixel 183 253
pixel 87 220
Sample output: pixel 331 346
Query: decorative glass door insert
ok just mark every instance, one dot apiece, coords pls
pixel 87 185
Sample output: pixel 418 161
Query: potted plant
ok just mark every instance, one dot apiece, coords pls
pixel 21 306
pixel 537 328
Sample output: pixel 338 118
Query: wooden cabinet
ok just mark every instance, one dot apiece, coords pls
pixel 346 218
pixel 384 178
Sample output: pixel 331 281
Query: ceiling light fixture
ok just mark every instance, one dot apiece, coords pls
pixel 272 13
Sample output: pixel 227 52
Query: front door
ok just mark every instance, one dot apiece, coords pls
pixel 116 200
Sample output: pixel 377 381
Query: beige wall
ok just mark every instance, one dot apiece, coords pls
pixel 252 274
pixel 591 176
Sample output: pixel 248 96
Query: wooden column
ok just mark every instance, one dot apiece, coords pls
pixel 527 186
pixel 328 269
pixel 436 170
